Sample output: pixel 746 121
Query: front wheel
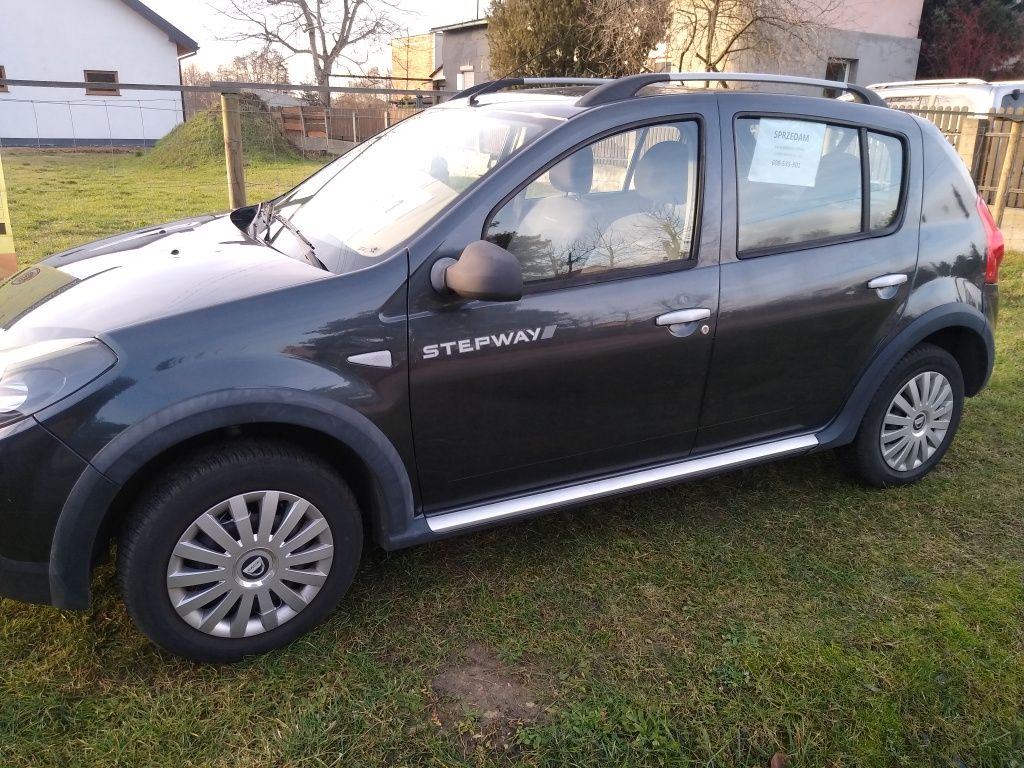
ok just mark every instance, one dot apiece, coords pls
pixel 238 550
pixel 911 421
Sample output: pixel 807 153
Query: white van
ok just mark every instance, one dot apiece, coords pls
pixel 976 95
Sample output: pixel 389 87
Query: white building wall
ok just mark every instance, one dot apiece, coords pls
pixel 59 40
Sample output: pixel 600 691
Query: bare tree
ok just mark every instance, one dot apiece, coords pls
pixel 709 34
pixel 263 66
pixel 625 32
pixel 328 31
pixel 196 101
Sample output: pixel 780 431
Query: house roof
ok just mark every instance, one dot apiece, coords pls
pixel 274 99
pixel 186 45
pixel 460 26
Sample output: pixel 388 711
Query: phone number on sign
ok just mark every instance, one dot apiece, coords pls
pixel 785 163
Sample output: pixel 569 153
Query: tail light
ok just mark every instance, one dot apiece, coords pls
pixel 996 244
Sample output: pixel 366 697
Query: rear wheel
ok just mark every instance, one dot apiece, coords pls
pixel 911 421
pixel 238 550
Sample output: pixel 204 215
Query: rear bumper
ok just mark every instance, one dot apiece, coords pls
pixel 37 472
pixel 990 304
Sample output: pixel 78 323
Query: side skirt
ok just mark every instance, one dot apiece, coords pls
pixel 581 493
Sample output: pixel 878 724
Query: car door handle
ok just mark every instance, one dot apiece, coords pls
pixel 887 281
pixel 682 316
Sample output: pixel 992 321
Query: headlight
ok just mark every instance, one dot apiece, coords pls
pixel 37 375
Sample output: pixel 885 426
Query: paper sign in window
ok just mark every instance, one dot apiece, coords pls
pixel 787 152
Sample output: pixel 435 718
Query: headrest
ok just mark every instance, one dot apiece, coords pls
pixel 662 173
pixel 439 169
pixel 575 174
pixel 839 168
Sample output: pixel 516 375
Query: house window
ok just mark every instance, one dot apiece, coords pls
pixel 105 83
pixel 841 70
pixel 3 76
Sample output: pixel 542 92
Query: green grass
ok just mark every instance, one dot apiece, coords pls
pixel 780 608
pixel 60 199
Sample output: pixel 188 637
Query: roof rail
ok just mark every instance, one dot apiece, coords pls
pixel 491 86
pixel 627 87
pixel 950 81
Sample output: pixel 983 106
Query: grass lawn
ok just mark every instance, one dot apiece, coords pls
pixel 61 199
pixel 780 608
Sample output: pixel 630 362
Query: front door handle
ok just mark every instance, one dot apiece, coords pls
pixel 683 316
pixel 887 281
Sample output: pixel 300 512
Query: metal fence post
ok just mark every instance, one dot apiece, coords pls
pixel 355 128
pixel 1009 160
pixel 230 112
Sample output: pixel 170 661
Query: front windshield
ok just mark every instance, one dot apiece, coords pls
pixel 358 208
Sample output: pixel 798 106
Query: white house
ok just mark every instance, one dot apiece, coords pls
pixel 93 41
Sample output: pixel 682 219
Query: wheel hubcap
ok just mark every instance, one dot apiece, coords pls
pixel 917 421
pixel 250 563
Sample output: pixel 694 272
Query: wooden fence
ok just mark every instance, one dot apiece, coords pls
pixel 337 123
pixel 991 145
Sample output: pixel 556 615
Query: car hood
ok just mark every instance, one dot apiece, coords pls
pixel 141 276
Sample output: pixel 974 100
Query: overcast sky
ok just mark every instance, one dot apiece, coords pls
pixel 199 20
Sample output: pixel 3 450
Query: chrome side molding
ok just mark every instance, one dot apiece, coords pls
pixel 530 504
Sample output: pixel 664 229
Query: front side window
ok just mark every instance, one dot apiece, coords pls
pixel 627 201
pixel 802 181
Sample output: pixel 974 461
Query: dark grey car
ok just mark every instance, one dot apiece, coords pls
pixel 512 303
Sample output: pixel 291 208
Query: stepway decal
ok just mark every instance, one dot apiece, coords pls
pixel 461 346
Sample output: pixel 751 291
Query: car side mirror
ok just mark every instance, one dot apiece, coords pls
pixel 484 271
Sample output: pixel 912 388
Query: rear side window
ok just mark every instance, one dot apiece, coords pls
pixel 804 181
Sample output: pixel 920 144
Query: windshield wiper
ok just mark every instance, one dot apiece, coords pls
pixel 270 216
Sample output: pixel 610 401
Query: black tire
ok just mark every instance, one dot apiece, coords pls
pixel 863 458
pixel 171 505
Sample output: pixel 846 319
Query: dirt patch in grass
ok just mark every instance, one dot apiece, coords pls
pixel 483 702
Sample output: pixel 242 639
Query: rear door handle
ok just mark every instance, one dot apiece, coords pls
pixel 887 281
pixel 683 316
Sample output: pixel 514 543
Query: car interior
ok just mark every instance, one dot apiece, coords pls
pixel 626 201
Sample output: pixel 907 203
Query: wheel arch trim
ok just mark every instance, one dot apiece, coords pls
pixel 843 428
pixel 88 506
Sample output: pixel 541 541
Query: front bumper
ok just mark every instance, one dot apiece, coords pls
pixel 37 473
